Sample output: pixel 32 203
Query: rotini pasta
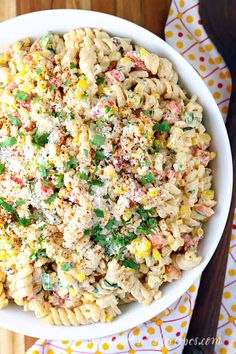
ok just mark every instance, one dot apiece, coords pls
pixel 104 176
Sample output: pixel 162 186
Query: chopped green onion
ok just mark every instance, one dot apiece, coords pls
pixel 111 224
pixel 66 83
pixel 44 41
pixel 97 182
pixel 86 152
pixel 106 196
pixel 41 252
pixel 43 171
pixel 36 100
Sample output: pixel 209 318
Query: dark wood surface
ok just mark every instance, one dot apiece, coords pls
pixel 152 15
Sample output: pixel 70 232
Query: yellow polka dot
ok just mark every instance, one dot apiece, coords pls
pixel 77 344
pixel 159 322
pixel 211 61
pixel 216 95
pixel 233 308
pixel 132 351
pixel 50 351
pixel 169 328
pixel 90 345
pixel 221 316
pixel 178 26
pixel 69 350
pixel 232 237
pixel 154 343
pixel 171 341
pixel 218 60
pixel 228 331
pixel 136 331
pixel 182 309
pixel 209 47
pixel 231 272
pixel 98 352
pixel 35 352
pixel 189 19
pixel 231 319
pixel 65 341
pixel 202 67
pixel 223 350
pixel 234 344
pixel 105 346
pixel 164 350
pixel 192 288
pixel 138 345
pixel 201 49
pixel 179 44
pixel 171 12
pixel 181 3
pixel 191 56
pixel 183 324
pixel 198 32
pixel 222 75
pixel 120 346
pixel 210 82
pixel 179 16
pixel 169 34
pixel 151 330
pixel 224 109
pixel 229 88
pixel 227 295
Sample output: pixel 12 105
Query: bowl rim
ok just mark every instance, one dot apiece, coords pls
pixel 100 330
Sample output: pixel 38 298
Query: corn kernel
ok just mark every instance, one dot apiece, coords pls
pixel 125 60
pixel 27 87
pixel 26 41
pixel 119 190
pixel 109 171
pixel 108 317
pixel 81 277
pixel 153 192
pixel 143 51
pixel 73 292
pixel 82 84
pixel 127 214
pixel 185 211
pixel 208 194
pixel 79 95
pixel 42 86
pixel 140 247
pixel 156 254
pixel 3 255
pixel 16 46
pixel 2 59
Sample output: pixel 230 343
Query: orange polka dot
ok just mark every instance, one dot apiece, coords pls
pixel 154 343
pixel 90 345
pixel 222 75
pixel 50 351
pixel 151 330
pixel 179 16
pixel 191 56
pixel 202 67
pixel 209 47
pixel 192 288
pixel 223 350
pixel 183 324
pixel 178 26
pixel 65 341
pixel 189 19
pixel 105 346
pixel 169 329
pixel 138 345
pixel 171 12
pixel 136 331
pixel 227 74
pixel 231 272
pixel 169 34
pixel 210 82
pixel 216 95
pixel 228 331
pixel 164 350
pixel 224 109
pixel 221 316
pixel 234 344
pixel 227 295
pixel 179 44
pixel 181 3
pixel 120 346
pixel 159 322
pixel 68 350
pixel 231 319
pixel 233 308
pixel 171 341
pixel 98 352
pixel 232 237
pixel 132 351
pixel 229 88
pixel 218 60
pixel 211 61
pixel 198 32
pixel 182 309
pixel 201 49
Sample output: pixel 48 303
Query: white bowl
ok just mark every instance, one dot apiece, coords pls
pixel 35 25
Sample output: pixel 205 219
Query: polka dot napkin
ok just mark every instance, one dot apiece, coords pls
pixel 166 332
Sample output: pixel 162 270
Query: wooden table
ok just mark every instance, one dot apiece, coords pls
pixel 147 13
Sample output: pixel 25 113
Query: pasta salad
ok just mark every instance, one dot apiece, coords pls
pixel 104 176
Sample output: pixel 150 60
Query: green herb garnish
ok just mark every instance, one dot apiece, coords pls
pixel 39 140
pixel 51 199
pixel 162 127
pixel 99 155
pixel 149 178
pixel 52 87
pixel 41 252
pixel 72 65
pixel 8 142
pixel 98 140
pixel 71 163
pixel 6 206
pixel 66 266
pixel 99 213
pixel 14 121
pixel 19 202
pixel 83 176
pixel 22 96
pixel 44 41
pixel 38 71
pixel 100 80
pixel 2 168
pixel 128 263
pixel 43 171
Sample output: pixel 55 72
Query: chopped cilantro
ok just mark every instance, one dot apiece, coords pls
pixel 13 120
pixel 25 221
pixel 39 140
pixel 99 155
pixel 111 224
pixel 36 100
pixel 71 163
pixel 51 199
pixel 52 87
pixel 72 65
pixel 106 196
pixel 162 127
pixel 97 182
pixel 86 232
pixel 99 213
pixel 100 80
pixel 22 96
pixel 66 266
pixel 41 252
pixel 83 176
pixel 60 180
pixel 98 140
pixel 107 109
pixel 152 222
pixel 2 168
pixel 86 153
pixel 149 178
pixel 128 263
pixel 8 142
